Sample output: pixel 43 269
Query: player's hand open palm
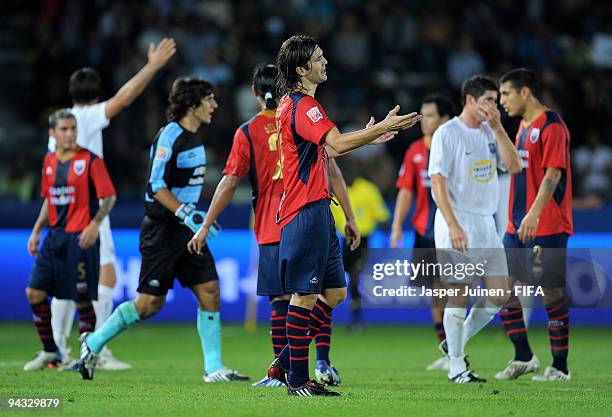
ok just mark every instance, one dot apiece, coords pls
pixel 89 235
pixel 33 242
pixel 197 242
pixel 160 55
pixel 458 238
pixel 393 121
pixel 385 137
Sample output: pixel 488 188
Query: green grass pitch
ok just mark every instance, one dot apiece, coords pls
pixel 382 371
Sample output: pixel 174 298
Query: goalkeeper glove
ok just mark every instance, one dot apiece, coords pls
pixel 193 219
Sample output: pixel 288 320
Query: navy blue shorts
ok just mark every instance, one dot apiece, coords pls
pixel 424 251
pixel 268 279
pixel 543 261
pixel 309 254
pixel 64 270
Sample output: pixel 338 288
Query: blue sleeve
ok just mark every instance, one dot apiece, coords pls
pixel 161 154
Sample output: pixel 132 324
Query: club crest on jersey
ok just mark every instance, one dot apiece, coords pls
pixel 79 167
pixel 314 114
pixel 535 134
pixel 492 148
pixel 417 158
pixel 49 170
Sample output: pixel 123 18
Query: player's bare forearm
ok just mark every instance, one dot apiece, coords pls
pixel 546 191
pixel 105 208
pixel 221 199
pixel 338 186
pixel 167 199
pixel 342 143
pixel 43 218
pixel 440 192
pixel 129 91
pixel 508 152
pixel 402 206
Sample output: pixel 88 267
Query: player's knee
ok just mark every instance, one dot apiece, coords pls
pixel 552 295
pixel 108 277
pixel 304 300
pixel 35 296
pixel 148 306
pixel 335 296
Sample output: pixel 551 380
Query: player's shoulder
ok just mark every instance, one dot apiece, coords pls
pixel 245 127
pixel 170 133
pixel 552 118
pixel 418 146
pixel 85 154
pixel 448 129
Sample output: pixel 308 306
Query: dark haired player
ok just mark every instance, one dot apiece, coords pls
pixel 67 265
pixel 85 87
pixel 178 165
pixel 413 182
pixel 255 152
pixel 309 252
pixel 465 154
pixel 540 222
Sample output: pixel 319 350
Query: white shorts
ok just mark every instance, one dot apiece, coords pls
pixel 107 246
pixel 484 244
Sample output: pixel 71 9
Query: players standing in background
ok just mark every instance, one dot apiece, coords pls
pixel 67 265
pixel 465 154
pixel 540 222
pixel 255 152
pixel 370 209
pixel 413 182
pixel 92 117
pixel 178 165
pixel 309 251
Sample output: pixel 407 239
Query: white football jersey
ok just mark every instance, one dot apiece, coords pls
pixel 91 120
pixel 468 159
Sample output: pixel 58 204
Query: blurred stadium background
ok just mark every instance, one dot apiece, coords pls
pixel 380 53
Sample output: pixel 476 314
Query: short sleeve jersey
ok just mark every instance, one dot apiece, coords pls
pixel 73 189
pixel 468 158
pixel 178 163
pixel 91 120
pixel 543 144
pixel 414 176
pixel 255 152
pixel 302 125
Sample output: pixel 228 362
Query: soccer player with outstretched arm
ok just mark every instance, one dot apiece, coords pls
pixel 310 261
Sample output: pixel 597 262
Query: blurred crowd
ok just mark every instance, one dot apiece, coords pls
pixel 380 53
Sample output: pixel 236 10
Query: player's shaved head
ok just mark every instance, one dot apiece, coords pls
pixel 521 77
pixel 476 86
pixel 294 52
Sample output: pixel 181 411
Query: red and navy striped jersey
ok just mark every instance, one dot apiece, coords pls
pixel 543 144
pixel 255 152
pixel 302 125
pixel 73 189
pixel 414 176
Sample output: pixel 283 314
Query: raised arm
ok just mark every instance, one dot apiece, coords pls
pixel 158 57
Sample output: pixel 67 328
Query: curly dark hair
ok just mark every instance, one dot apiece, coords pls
pixel 294 52
pixel 187 92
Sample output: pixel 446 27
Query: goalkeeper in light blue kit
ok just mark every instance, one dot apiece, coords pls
pixel 176 178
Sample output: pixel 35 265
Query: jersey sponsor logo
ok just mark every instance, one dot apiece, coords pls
pixel 61 196
pixel 314 114
pixel 48 170
pixel 482 171
pixel 162 154
pixel 534 135
pixel 79 166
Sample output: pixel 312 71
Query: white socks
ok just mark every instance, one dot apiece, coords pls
pixel 103 308
pixel 481 313
pixel 454 318
pixel 62 318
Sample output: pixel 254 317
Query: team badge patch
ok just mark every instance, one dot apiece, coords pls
pixel 162 154
pixel 535 134
pixel 417 158
pixel 49 170
pixel 314 114
pixel 492 148
pixel 79 167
